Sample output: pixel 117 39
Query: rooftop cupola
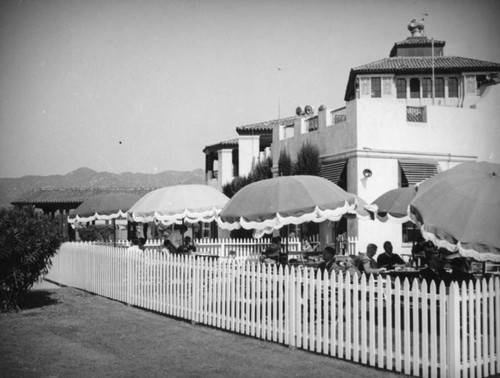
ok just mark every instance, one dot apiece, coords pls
pixel 418 44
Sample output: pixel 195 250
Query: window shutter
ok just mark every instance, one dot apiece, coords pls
pixel 417 171
pixel 332 171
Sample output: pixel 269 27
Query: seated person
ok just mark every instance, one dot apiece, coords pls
pixel 168 247
pixel 328 264
pixel 273 251
pixel 351 265
pixel 460 271
pixel 142 244
pixel 187 246
pixel 134 246
pixel 368 263
pixel 388 259
pixel 419 250
pixel 306 245
pixel 434 270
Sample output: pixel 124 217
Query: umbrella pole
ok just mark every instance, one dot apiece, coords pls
pixel 287 234
pixel 182 233
pixel 413 236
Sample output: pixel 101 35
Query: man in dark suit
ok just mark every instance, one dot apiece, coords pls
pixel 388 259
pixel 434 271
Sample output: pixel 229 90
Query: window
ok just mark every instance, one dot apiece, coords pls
pixel 427 87
pixel 401 88
pixel 453 87
pixel 410 232
pixel 376 87
pixel 439 90
pixel 416 114
pixel 415 88
pixel 480 80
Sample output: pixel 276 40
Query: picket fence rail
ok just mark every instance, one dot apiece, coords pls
pixel 406 327
pixel 246 247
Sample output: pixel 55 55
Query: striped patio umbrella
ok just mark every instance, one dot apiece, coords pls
pixel 270 204
pixel 393 205
pixel 104 207
pixel 459 209
pixel 179 203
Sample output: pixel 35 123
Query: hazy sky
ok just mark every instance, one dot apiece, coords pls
pixel 167 78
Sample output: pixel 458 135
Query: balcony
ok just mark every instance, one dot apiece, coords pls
pixel 416 114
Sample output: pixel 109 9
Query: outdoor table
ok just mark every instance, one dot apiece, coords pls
pixel 206 255
pixel 403 273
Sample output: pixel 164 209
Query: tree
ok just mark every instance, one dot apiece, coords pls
pixel 285 166
pixel 261 171
pixel 308 162
pixel 27 242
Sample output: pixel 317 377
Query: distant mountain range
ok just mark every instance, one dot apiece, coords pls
pixel 13 188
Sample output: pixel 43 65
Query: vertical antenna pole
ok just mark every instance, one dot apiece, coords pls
pixel 433 78
pixel 279 71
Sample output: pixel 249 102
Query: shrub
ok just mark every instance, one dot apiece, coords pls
pixel 308 162
pixel 28 240
pixel 95 233
pixel 285 166
pixel 261 171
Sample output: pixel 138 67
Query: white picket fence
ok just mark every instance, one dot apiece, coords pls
pixel 243 248
pixel 403 327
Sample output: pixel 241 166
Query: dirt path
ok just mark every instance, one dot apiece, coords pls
pixel 66 332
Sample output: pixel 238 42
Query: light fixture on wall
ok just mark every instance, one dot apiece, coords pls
pixel 367 172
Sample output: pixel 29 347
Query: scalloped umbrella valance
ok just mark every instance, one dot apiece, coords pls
pixel 393 205
pixel 270 204
pixel 459 209
pixel 105 207
pixel 179 203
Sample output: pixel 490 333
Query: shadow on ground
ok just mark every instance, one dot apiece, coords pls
pixel 38 298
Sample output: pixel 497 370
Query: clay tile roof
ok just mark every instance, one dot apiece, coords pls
pixel 424 63
pixel 420 64
pixel 415 41
pixel 263 127
pixel 220 145
pixel 70 195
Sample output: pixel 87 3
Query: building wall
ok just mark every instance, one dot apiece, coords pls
pixel 376 134
pixel 248 151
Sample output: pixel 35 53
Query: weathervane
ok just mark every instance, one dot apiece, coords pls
pixel 416 27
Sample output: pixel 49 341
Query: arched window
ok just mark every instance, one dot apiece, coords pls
pixel 439 90
pixel 415 87
pixel 453 87
pixel 427 88
pixel 401 88
pixel 376 87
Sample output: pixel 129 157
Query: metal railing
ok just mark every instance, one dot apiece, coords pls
pixel 338 115
pixel 416 114
pixel 312 124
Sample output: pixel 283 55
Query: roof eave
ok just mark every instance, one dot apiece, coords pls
pixel 259 131
pixel 401 71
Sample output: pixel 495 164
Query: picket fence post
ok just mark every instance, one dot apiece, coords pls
pixel 453 342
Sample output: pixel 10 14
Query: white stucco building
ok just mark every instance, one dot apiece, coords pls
pixel 396 129
pixel 236 157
